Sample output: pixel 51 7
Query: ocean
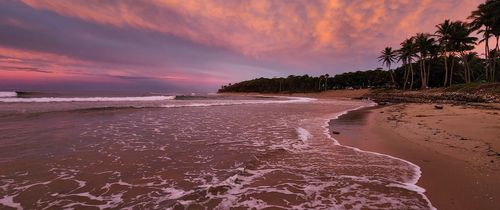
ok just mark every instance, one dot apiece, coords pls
pixel 161 151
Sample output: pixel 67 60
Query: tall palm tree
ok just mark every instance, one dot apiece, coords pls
pixel 486 19
pixel 388 57
pixel 406 54
pixel 444 34
pixel 434 53
pixel 462 42
pixel 474 61
pixel 424 45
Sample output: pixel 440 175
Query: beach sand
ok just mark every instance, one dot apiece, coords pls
pixel 457 148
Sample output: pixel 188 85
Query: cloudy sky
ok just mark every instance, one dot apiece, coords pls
pixel 179 45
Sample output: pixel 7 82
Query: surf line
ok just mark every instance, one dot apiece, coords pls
pixel 411 184
pixel 85 99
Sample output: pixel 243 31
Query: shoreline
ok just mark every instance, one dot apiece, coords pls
pixel 412 184
pixel 450 183
pixel 484 97
pixel 451 178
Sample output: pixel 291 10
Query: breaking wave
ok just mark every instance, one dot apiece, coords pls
pixel 5 94
pixel 83 99
pixel 242 102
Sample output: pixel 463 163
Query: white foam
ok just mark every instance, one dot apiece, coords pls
pixel 174 193
pixel 410 184
pixel 237 185
pixel 303 134
pixel 86 99
pixel 5 94
pixel 242 102
pixel 9 201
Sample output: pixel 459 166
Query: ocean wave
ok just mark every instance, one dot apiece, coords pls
pixel 85 99
pixel 6 94
pixel 243 102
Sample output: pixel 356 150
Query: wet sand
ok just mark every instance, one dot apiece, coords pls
pixel 457 148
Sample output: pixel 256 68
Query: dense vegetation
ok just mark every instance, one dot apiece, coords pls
pixel 291 83
pixel 440 59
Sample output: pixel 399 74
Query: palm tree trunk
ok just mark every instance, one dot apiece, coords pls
pixel 392 78
pixel 428 74
pixel 412 75
pixel 496 46
pixel 451 70
pixel 467 69
pixel 423 77
pixel 406 74
pixel 487 52
pixel 493 73
pixel 469 73
pixel 405 77
pixel 445 69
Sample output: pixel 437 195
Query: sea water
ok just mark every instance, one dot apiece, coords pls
pixel 178 152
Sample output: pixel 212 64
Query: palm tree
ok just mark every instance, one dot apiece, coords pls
pixel 462 42
pixel 388 57
pixel 406 54
pixel 424 46
pixel 444 34
pixel 434 53
pixel 486 19
pixel 474 61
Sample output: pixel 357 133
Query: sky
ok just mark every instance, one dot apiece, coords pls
pixel 199 45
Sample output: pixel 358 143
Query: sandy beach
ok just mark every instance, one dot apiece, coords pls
pixel 457 148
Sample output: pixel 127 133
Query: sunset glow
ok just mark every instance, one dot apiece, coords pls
pixel 201 45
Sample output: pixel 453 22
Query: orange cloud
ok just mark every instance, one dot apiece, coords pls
pixel 261 28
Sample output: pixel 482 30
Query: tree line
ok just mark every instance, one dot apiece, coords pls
pixel 377 78
pixel 438 59
pixel 292 84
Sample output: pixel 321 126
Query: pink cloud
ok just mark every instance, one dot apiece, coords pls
pixel 26 65
pixel 247 38
pixel 262 28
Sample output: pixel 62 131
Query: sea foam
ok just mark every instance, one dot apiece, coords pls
pixel 85 99
pixel 303 134
pixel 243 102
pixel 7 94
